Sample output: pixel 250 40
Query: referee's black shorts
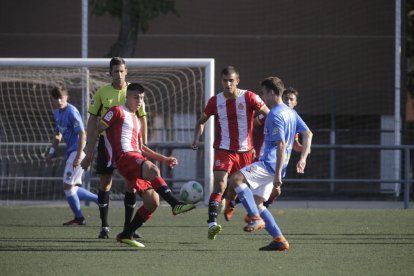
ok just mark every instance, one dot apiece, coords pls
pixel 102 160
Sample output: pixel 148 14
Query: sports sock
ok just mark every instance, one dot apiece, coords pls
pixel 74 202
pixel 247 199
pixel 84 194
pixel 213 207
pixel 141 216
pixel 164 191
pixel 129 203
pixel 271 226
pixel 103 203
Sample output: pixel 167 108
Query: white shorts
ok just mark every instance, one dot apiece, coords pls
pixel 259 179
pixel 70 176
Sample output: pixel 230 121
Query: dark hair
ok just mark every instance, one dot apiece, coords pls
pixel 135 87
pixel 275 84
pixel 58 91
pixel 290 90
pixel 230 70
pixel 116 61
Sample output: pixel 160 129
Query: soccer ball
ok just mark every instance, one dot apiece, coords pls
pixel 191 192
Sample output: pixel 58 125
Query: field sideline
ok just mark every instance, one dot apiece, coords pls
pixel 323 242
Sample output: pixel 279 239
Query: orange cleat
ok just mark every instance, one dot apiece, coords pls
pixel 279 243
pixel 255 223
pixel 229 210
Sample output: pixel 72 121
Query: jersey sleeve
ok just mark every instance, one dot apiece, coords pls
pixel 210 108
pixel 95 104
pixel 255 100
pixel 111 116
pixel 76 121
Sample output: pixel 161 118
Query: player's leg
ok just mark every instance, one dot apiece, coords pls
pixel 82 193
pixel 69 188
pixel 239 182
pixel 279 242
pixel 150 204
pixel 219 185
pixel 151 173
pixel 276 192
pixel 129 204
pixel 105 184
pixel 241 160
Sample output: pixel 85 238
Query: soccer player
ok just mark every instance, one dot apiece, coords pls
pixel 124 146
pixel 255 182
pixel 69 126
pixel 110 95
pixel 233 109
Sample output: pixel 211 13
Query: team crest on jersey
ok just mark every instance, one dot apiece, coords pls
pixel 68 176
pixel 241 106
pixel 108 116
pixel 275 132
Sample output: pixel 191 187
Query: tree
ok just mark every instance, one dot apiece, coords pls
pixel 135 16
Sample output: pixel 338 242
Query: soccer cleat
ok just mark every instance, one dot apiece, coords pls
pixel 75 222
pixel 255 223
pixel 136 235
pixel 247 219
pixel 229 210
pixel 213 231
pixel 279 243
pixel 104 234
pixel 129 241
pixel 182 208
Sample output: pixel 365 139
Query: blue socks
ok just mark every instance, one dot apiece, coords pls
pixel 84 194
pixel 74 203
pixel 246 198
pixel 271 226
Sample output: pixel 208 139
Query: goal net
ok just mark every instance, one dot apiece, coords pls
pixel 176 92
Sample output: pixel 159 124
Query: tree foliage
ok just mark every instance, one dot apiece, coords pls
pixel 135 16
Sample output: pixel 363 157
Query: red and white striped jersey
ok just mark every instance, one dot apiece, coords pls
pixel 233 119
pixel 123 132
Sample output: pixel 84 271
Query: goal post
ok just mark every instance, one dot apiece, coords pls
pixel 176 93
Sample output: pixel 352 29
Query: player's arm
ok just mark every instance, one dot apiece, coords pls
pixel 90 146
pixel 55 142
pixel 81 146
pixel 280 157
pixel 307 142
pixel 198 130
pixel 168 160
pixel 264 110
pixel 142 115
pixel 297 146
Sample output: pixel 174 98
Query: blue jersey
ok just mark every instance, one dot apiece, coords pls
pixel 69 123
pixel 282 123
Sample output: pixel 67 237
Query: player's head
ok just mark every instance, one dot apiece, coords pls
pixel 60 95
pixel 272 90
pixel 118 72
pixel 134 96
pixel 290 97
pixel 230 79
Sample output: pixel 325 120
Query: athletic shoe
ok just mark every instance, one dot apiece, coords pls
pixel 129 241
pixel 75 222
pixel 182 208
pixel 213 231
pixel 229 210
pixel 135 235
pixel 279 243
pixel 256 223
pixel 104 234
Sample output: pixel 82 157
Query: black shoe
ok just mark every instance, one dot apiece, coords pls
pixel 75 222
pixel 104 234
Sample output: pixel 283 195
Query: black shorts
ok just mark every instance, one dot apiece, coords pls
pixel 102 159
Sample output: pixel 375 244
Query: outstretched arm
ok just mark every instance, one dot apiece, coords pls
pixel 198 131
pixel 168 160
pixel 90 146
pixel 307 142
